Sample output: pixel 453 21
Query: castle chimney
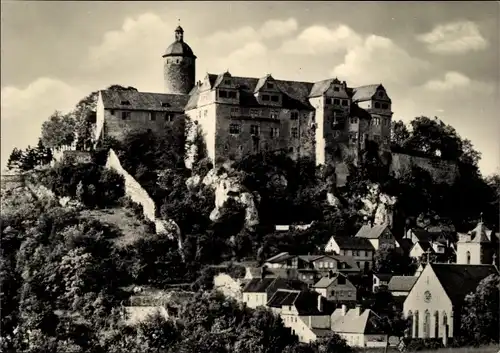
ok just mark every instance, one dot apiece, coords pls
pixel 344 309
pixel 320 303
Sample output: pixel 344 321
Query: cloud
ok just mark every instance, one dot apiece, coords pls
pixel 378 59
pixel 278 28
pixel 322 40
pixel 454 38
pixel 25 109
pixel 453 81
pixel 250 60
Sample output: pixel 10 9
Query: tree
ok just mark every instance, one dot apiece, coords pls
pixel 15 159
pixel 59 130
pixel 480 322
pixel 400 134
pixel 388 259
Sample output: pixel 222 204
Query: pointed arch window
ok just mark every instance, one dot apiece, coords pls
pixel 417 319
pixel 468 257
pixel 436 324
pixel 427 326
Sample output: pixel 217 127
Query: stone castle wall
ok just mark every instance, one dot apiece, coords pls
pixel 440 170
pixel 179 74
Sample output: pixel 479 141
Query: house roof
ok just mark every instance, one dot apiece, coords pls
pixel 371 232
pixel 258 285
pixel 425 245
pixel 283 256
pixel 383 276
pixel 353 243
pixel 327 281
pixel 319 88
pixel 366 322
pixel 364 93
pixel 460 280
pixel 401 283
pixel 305 301
pixel 360 112
pixel 144 101
pixel 405 244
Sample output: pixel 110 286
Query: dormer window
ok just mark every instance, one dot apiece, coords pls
pixel 336 101
pixel 265 97
pixel 125 102
pixel 231 94
pixel 165 104
pixel 227 82
pixel 275 98
pixel 294 115
pixel 377 105
pixel 385 106
pixel 270 85
pixel 336 89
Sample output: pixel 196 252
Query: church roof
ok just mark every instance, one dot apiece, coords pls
pixel 134 100
pixel 401 283
pixel 460 280
pixel 179 48
pixel 481 234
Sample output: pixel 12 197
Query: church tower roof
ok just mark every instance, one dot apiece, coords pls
pixel 179 47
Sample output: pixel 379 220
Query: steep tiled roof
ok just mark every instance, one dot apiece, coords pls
pixel 371 232
pixel 405 244
pixel 460 280
pixel 364 93
pixel 325 282
pixel 360 112
pixel 143 101
pixel 320 87
pixel 367 322
pixel 425 245
pixel 401 283
pixel 383 276
pixel 353 243
pixel 283 297
pixel 258 285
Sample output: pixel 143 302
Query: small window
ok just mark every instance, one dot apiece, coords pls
pixel 265 97
pixel 385 106
pixel 227 82
pixel 294 115
pixel 152 116
pixel 231 94
pixel 169 117
pixel 376 121
pixel 275 132
pixel 165 104
pixel 234 129
pixel 336 101
pixel 112 112
pixel 291 151
pixel 353 120
pixel 270 85
pixel 223 94
pixel 254 112
pixel 126 115
pixel 345 102
pixel 275 98
pixel 274 115
pixel 125 102
pixel 336 89
pixel 329 101
pixel 295 132
pixel 254 130
pixel 377 105
pixel 235 111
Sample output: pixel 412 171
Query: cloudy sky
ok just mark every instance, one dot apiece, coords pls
pixel 434 58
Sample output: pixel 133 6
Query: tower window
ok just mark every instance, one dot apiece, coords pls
pixel 152 116
pixel 385 106
pixel 377 105
pixel 275 98
pixel 294 115
pixel 254 130
pixel 223 94
pixel 265 97
pixel 112 112
pixel 295 132
pixel 336 101
pixel 270 85
pixel 234 129
pixel 231 94
pixel 336 89
pixel 345 102
pixel 126 115
pixel 169 117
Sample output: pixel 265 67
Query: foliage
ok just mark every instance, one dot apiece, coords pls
pixel 480 323
pixel 424 344
pixel 388 259
pixel 29 158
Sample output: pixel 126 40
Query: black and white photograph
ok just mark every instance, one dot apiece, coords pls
pixel 250 177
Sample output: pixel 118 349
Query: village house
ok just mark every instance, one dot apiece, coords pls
pixel 306 313
pixel 361 249
pixel 435 300
pixel 309 268
pixel 360 328
pixel 380 280
pixel 377 235
pixel 400 286
pixel 336 287
pixel 258 291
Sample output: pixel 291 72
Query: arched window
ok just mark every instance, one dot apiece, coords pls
pixel 416 324
pixel 445 324
pixel 468 257
pixel 410 321
pixel 436 324
pixel 427 322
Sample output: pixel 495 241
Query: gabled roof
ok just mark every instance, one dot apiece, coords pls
pixel 401 283
pixel 405 244
pixel 367 322
pixel 460 280
pixel 327 281
pixel 365 93
pixel 353 243
pixel 319 88
pixel 143 101
pixel 258 285
pixel 371 232
pixel 360 112
pixel 383 276
pixel 425 245
pixel 305 301
pixel 280 257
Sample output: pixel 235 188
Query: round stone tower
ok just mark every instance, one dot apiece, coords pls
pixel 179 66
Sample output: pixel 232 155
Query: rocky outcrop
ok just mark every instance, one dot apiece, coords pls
pixel 378 206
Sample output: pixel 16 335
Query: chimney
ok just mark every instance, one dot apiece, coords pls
pixel 263 272
pixel 358 309
pixel 320 303
pixel 344 309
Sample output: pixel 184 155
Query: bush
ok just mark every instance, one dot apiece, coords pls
pixel 137 209
pixel 423 344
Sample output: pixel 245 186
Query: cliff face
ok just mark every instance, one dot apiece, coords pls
pixel 378 206
pixel 441 171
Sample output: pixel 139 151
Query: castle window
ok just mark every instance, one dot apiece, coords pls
pixel 345 102
pixel 295 132
pixel 254 112
pixel 227 82
pixel 376 121
pixel 336 101
pixel 125 102
pixel 353 120
pixel 254 130
pixel 112 112
pixel 385 106
pixel 169 117
pixel 235 111
pixel 294 115
pixel 270 85
pixel 234 129
pixel 336 89
pixel 329 101
pixel 165 104
pixel 126 115
pixel 265 97
pixel 275 98
pixel 377 105
pixel 222 94
pixel 274 132
pixel 152 116
pixel 231 94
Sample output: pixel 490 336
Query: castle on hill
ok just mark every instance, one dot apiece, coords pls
pixel 325 120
